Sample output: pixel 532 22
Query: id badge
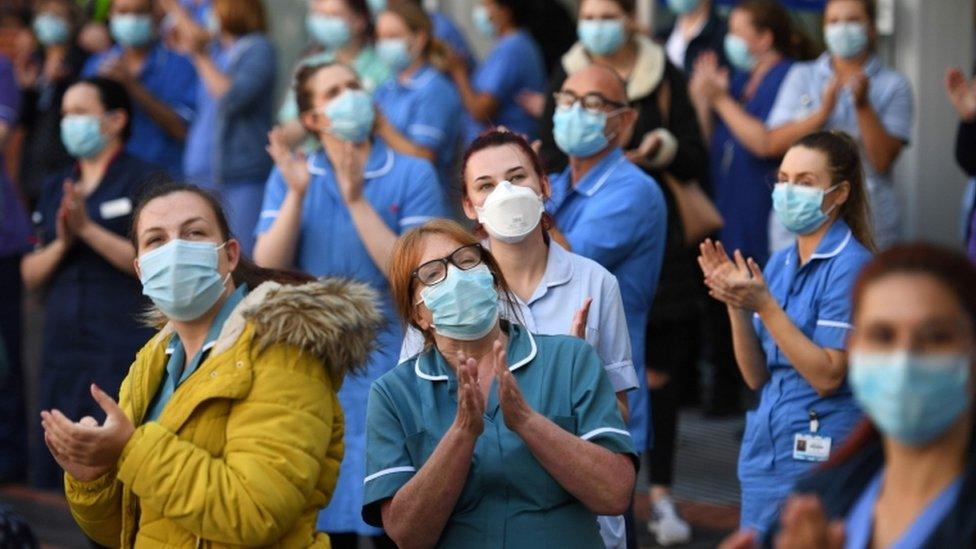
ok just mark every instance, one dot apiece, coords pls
pixel 115 208
pixel 811 447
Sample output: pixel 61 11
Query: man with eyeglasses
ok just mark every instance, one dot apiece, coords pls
pixel 608 209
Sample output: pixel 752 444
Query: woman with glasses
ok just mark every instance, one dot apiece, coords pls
pixel 492 436
pixel 555 291
pixel 790 324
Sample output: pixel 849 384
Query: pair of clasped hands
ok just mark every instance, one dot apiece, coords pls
pixel 84 449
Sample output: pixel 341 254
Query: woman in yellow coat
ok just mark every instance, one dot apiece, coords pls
pixel 227 431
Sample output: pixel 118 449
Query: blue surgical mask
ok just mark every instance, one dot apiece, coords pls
pixel 394 53
pixel 465 304
pixel 331 32
pixel 682 7
pixel 601 37
pixel 846 40
pixel 376 6
pixel 182 279
pixel 351 116
pixel 798 207
pixel 51 29
pixel 482 22
pixel 82 135
pixel 738 54
pixel 131 30
pixel 912 398
pixel 579 132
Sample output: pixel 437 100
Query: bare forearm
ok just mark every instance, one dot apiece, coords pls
pixel 750 131
pixel 402 144
pixel 376 236
pixel 275 249
pixel 809 359
pixel 600 479
pixel 116 250
pixel 430 496
pixel 880 148
pixel 161 113
pixel 748 352
pixel 780 140
pixel 37 267
pixel 481 106
pixel 216 82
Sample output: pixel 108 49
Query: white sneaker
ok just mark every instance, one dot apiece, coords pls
pixel 667 525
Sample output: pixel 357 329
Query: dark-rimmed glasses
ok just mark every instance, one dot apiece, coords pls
pixel 435 270
pixel 592 101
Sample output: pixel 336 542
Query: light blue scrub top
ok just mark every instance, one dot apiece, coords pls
pixel 515 64
pixel 889 94
pixel 508 499
pixel 569 279
pixel 404 192
pixel 817 298
pixel 616 216
pixel 175 373
pixel 425 108
pixel 860 520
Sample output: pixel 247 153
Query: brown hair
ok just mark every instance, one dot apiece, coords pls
pixel 406 258
pixel 501 138
pixel 241 17
pixel 247 272
pixel 417 20
pixel 627 6
pixel 951 269
pixel 770 15
pixel 844 164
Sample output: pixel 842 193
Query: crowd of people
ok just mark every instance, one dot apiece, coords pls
pixel 439 301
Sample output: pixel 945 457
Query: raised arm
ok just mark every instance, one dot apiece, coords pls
pixel 430 496
pixel 881 148
pixel 823 368
pixel 601 479
pixel 716 265
pixel 275 248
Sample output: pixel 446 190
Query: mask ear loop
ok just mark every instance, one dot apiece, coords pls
pixel 828 191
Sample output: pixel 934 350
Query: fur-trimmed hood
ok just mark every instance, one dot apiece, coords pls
pixel 334 320
pixel 648 71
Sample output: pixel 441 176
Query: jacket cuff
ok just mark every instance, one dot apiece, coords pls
pixel 73 485
pixel 666 152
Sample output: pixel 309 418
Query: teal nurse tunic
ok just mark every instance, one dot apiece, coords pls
pixel 508 500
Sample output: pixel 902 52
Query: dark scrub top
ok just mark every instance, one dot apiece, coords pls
pixel 743 182
pixel 91 329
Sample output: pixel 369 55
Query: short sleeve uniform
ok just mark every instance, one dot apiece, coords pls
pixel 616 216
pixel 508 500
pixel 405 193
pixel 817 298
pixel 889 94
pixel 515 64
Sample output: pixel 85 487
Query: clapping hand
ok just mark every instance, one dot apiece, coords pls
pixel 804 525
pixel 514 408
pixel 349 161
pixel 739 284
pixel 73 211
pixel 84 449
pixel 292 165
pixel 471 401
pixel 578 328
pixel 962 93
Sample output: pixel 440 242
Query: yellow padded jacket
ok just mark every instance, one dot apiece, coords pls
pixel 247 451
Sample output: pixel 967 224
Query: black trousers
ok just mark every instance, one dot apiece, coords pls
pixel 673 348
pixel 13 419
